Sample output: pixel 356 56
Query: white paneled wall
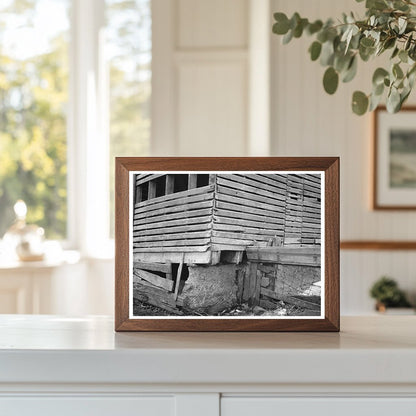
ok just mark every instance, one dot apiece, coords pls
pixel 203 66
pixel 308 122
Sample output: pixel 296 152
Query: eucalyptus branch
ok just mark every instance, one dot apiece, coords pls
pixel 388 25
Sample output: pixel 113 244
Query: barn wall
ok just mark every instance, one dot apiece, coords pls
pixel 303 210
pixel 254 209
pixel 174 222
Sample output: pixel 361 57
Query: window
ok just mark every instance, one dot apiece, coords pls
pixel 33 103
pixel 75 87
pixel 129 45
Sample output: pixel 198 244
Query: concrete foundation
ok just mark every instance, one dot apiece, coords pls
pixel 210 289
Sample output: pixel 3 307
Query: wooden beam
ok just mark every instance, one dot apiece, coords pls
pixel 378 245
pixel 154 279
pixel 152 189
pixel 170 183
pixel 138 195
pixel 192 180
pixel 290 299
pixel 154 267
pixel 178 277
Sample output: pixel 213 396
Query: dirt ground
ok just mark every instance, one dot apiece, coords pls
pixel 282 309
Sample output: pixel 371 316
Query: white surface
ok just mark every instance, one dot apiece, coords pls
pixel 266 406
pixel 47 349
pixel 88 406
pixel 200 78
pixel 51 365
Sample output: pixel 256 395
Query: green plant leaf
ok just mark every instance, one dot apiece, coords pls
pixel 408 42
pixel 379 75
pixel 351 71
pixel 330 80
pixel 314 27
pixel 374 102
pixel 288 37
pixel 403 56
pixel 281 27
pixel 315 50
pixel 327 53
pixel 359 103
pixel 395 52
pixel 393 101
pixel 397 71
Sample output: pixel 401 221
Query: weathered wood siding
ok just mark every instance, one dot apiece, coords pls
pixel 303 210
pixel 249 210
pixel 178 222
pixel 231 213
pixel 262 209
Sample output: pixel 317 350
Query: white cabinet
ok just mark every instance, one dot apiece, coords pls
pixel 88 406
pixel 51 365
pixel 273 406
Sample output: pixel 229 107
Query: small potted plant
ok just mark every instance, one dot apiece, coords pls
pixel 387 294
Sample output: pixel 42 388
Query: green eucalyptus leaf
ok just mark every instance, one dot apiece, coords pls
pixel 403 56
pixel 378 89
pixel 367 42
pixel 288 37
pixel 298 30
pixel 376 4
pixel 330 80
pixel 281 27
pixel 366 53
pixel 402 22
pixel 397 71
pixel 379 75
pixel 327 54
pixel 322 35
pixel 351 70
pixel 408 42
pixel 395 52
pixel 314 27
pixel 341 62
pixel 359 103
pixel 389 43
pixel 374 102
pixel 393 101
pixel 315 50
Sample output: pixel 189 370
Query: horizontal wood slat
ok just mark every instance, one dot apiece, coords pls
pixel 154 279
pixel 168 236
pixel 176 196
pixel 168 224
pixel 173 243
pixel 173 216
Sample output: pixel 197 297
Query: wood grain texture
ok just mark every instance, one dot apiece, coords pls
pixel 330 165
pixel 378 245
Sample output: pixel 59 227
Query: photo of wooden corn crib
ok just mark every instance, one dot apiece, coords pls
pixel 219 244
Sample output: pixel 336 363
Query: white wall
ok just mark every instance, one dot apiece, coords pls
pixel 308 122
pixel 200 77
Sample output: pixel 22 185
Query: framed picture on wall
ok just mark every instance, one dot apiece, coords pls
pixel 394 178
pixel 227 244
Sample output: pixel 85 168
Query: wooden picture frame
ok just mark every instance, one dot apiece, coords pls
pixel 145 196
pixel 394 146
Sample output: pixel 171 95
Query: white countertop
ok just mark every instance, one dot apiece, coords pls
pixel 52 349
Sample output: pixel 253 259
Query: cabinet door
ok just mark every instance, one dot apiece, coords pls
pixel 88 406
pixel 274 406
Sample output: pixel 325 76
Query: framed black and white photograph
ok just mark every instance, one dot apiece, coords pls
pixel 394 179
pixel 227 246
